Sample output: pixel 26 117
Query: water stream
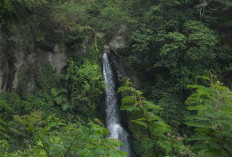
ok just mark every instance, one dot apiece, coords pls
pixel 112 108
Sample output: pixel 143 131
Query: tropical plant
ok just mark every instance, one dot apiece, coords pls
pixel 211 107
pixel 50 137
pixel 85 86
pixel 154 140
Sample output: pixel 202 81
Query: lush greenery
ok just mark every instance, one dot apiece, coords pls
pixel 212 122
pixel 50 137
pixel 153 135
pixel 177 44
pixel 172 46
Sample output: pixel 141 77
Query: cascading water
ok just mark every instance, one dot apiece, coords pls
pixel 112 112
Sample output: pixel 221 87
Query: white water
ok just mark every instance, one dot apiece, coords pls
pixel 112 112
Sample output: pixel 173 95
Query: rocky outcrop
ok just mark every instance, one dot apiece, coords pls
pixel 118 41
pixel 21 65
pixel 18 63
pixel 57 58
pixel 4 70
pixel 121 68
pixel 15 66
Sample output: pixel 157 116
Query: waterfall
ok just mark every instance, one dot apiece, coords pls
pixel 112 108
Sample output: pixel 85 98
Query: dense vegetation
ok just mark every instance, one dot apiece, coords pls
pixel 175 47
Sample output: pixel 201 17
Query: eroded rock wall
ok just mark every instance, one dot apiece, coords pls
pixel 21 65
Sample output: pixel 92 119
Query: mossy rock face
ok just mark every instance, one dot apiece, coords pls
pixel 29 45
pixel 7 70
pixel 14 68
pixel 21 59
pixel 2 74
pixel 50 40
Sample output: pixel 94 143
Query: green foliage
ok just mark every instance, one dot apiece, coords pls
pixel 212 119
pixel 30 4
pixel 2 131
pixel 100 15
pixel 96 49
pixel 3 147
pixel 154 141
pixel 9 10
pixel 49 137
pixel 24 127
pixel 47 79
pixel 74 39
pixel 11 103
pixel 6 10
pixel 170 42
pixel 173 112
pixel 60 98
pixel 85 86
pixel 193 45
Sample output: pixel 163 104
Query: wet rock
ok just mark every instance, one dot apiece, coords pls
pixel 122 70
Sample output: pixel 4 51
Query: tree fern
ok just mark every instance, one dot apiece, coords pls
pixel 156 128
pixel 213 119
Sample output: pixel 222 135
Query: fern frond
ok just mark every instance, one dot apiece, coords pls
pixel 151 105
pixel 128 100
pixel 140 123
pixel 129 108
